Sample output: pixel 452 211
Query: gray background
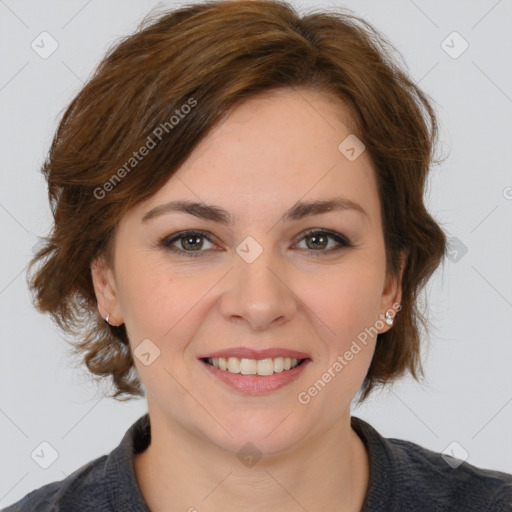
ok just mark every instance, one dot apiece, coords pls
pixel 45 396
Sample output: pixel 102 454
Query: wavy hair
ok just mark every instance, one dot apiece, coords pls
pixel 219 53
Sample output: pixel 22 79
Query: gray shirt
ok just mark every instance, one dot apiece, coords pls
pixel 404 477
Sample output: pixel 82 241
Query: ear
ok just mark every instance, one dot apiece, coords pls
pixel 392 293
pixel 105 290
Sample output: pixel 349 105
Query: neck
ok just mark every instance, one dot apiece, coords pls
pixel 190 472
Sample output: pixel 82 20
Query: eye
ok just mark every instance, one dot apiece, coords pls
pixel 190 241
pixel 319 240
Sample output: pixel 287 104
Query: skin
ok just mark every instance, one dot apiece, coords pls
pixel 268 153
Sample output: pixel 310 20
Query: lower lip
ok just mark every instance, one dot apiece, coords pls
pixel 256 384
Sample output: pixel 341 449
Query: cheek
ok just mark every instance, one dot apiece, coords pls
pixel 345 301
pixel 163 303
pixel 149 296
pixel 345 307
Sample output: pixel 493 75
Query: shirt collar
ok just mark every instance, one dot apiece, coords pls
pixel 124 492
pixel 122 487
pixel 380 494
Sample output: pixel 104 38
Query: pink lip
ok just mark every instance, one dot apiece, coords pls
pixel 249 353
pixel 256 384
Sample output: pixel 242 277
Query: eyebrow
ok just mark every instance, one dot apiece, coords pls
pixel 217 214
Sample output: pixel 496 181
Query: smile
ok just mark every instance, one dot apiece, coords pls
pixel 262 367
pixel 255 376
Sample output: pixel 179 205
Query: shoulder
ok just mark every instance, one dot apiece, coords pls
pixel 408 476
pixel 104 484
pixel 85 485
pixel 450 481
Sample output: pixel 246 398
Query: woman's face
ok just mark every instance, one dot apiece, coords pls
pixel 259 281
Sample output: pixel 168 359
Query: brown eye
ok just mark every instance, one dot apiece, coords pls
pixel 318 240
pixel 186 243
pixel 191 242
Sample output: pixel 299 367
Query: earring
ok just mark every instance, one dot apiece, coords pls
pixel 106 319
pixel 389 318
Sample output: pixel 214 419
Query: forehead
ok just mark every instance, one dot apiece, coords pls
pixel 271 151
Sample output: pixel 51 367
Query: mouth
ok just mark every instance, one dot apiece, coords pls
pixel 261 367
pixel 255 376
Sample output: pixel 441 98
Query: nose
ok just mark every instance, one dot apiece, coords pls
pixel 259 293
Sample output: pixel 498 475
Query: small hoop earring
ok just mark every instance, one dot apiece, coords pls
pixel 389 318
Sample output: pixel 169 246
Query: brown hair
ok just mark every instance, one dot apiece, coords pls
pixel 211 56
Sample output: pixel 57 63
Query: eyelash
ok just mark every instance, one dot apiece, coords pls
pixel 167 242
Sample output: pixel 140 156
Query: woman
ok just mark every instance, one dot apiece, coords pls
pixel 240 236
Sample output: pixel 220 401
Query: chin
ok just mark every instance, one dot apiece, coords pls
pixel 267 433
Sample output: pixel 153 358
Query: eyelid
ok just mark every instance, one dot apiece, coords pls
pixel 333 234
pixel 168 240
pixel 341 240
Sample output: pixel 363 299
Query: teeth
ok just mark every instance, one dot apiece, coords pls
pixel 262 367
pixel 278 364
pixel 233 365
pixel 265 367
pixel 248 366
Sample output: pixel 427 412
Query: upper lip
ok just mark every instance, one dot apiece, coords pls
pixel 249 353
